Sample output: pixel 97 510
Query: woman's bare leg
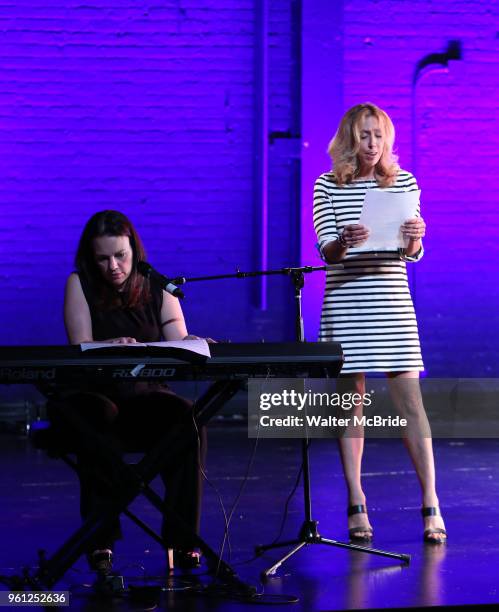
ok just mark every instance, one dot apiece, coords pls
pixel 351 446
pixel 406 394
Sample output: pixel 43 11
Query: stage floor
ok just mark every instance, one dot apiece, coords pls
pixel 40 508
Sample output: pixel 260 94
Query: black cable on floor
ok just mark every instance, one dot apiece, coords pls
pixel 284 516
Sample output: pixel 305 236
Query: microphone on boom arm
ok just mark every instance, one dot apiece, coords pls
pixel 153 275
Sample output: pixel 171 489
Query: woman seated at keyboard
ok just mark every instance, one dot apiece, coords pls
pixel 107 300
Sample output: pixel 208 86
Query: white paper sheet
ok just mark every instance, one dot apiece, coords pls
pixel 383 213
pixel 199 346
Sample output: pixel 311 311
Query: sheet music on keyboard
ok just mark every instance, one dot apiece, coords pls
pixel 197 346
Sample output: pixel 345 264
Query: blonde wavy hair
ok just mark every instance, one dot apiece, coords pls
pixel 345 145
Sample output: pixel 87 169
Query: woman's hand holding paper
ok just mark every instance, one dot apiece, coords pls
pixel 414 229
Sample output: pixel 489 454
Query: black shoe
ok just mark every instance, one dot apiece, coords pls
pixel 101 561
pixel 186 559
pixel 183 559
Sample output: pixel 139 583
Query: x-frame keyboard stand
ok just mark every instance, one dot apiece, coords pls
pixel 129 482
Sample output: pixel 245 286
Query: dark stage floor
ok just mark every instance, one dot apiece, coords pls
pixel 40 508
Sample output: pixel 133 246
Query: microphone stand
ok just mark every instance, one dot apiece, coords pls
pixel 181 280
pixel 308 533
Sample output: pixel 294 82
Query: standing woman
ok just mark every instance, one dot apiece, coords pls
pixel 107 300
pixel 367 305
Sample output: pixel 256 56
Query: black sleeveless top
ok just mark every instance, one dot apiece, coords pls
pixel 142 322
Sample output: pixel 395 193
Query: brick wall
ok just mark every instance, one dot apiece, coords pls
pixel 151 110
pixel 447 134
pixel 146 110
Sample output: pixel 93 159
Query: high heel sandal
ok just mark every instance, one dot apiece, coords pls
pixel 353 532
pixel 433 511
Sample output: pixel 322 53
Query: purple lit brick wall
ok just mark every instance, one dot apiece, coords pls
pixel 152 111
pixel 146 110
pixel 447 133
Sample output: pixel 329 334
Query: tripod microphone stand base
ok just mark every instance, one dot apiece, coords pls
pixel 310 535
pixel 308 532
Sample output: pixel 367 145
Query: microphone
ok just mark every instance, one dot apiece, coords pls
pixel 153 275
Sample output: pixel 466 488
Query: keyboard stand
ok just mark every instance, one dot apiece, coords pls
pixel 131 481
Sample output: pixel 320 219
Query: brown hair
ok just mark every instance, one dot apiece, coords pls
pixel 136 290
pixel 345 145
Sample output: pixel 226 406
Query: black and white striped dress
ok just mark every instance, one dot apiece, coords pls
pixel 367 305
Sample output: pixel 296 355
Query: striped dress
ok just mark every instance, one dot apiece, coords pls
pixel 367 306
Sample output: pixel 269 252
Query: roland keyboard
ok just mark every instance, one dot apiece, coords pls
pixel 68 364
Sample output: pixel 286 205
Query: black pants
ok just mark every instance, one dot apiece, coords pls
pixel 133 421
